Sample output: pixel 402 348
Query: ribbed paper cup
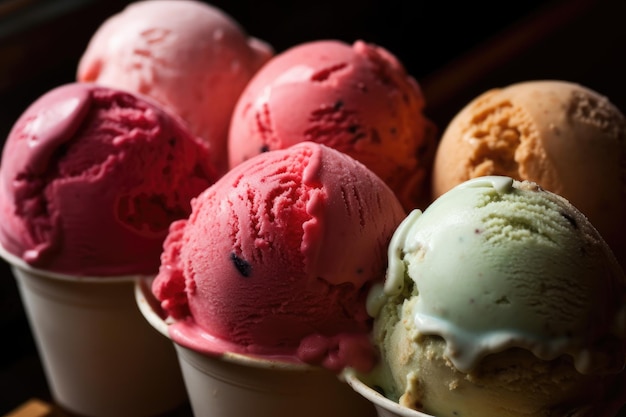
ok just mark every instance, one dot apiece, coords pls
pixel 384 406
pixel 235 385
pixel 100 357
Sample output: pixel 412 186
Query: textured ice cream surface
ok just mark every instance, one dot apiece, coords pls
pixel 188 55
pixel 501 299
pixel 356 98
pixel 277 258
pixel 92 177
pixel 569 139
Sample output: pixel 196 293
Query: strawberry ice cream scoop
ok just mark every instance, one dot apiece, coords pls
pixel 356 98
pixel 186 54
pixel 92 177
pixel 277 258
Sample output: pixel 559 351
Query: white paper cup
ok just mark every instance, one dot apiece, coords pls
pixel 100 357
pixel 384 406
pixel 235 385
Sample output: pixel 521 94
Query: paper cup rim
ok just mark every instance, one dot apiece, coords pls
pixel 161 325
pixel 380 401
pixel 18 262
pixel 151 316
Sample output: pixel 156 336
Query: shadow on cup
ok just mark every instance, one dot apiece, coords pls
pixel 384 406
pixel 233 385
pixel 100 357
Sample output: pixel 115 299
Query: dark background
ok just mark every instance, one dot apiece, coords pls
pixel 455 50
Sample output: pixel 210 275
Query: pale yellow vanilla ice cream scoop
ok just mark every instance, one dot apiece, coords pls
pixel 501 300
pixel 567 138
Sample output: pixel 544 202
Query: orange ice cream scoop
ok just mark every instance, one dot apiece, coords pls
pixel 566 137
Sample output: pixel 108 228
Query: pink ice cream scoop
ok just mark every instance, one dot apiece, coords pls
pixel 188 55
pixel 355 98
pixel 92 177
pixel 277 258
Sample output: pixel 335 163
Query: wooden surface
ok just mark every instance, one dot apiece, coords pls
pixel 36 408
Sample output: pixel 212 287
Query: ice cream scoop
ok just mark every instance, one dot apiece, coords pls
pixel 277 258
pixel 569 139
pixel 501 299
pixel 188 55
pixel 91 178
pixel 356 98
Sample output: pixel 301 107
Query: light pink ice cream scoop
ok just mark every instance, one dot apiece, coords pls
pixel 188 55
